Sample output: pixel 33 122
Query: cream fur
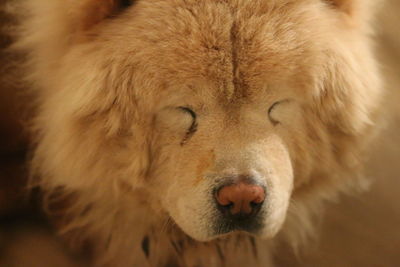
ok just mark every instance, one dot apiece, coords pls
pixel 109 151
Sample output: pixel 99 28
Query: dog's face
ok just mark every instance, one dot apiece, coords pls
pixel 228 128
pixel 203 145
pixel 219 110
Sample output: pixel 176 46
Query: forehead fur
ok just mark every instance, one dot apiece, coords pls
pixel 237 48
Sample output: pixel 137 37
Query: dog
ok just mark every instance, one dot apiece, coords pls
pixel 197 133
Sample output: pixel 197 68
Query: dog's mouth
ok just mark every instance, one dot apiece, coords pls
pixel 239 206
pixel 239 222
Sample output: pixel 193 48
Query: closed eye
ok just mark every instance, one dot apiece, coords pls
pixel 273 113
pixel 193 127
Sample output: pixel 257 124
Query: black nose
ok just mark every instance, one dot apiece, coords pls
pixel 240 200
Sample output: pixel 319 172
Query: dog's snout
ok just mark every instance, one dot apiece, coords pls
pixel 240 199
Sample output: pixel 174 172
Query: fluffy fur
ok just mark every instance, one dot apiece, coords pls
pixel 112 150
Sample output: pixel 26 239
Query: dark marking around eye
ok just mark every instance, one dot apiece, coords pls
pixel 193 127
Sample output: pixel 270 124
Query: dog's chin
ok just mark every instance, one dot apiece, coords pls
pixel 257 229
pixel 215 224
pixel 224 230
pixel 209 237
pixel 263 232
pixel 227 233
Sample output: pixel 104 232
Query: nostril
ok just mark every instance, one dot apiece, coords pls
pixel 226 209
pixel 256 206
pixel 226 205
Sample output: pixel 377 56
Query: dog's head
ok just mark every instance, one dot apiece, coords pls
pixel 219 110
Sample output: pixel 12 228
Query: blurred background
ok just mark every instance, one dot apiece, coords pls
pixel 359 231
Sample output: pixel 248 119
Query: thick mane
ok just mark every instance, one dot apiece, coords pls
pixel 70 166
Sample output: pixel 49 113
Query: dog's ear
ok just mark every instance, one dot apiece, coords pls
pixel 91 12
